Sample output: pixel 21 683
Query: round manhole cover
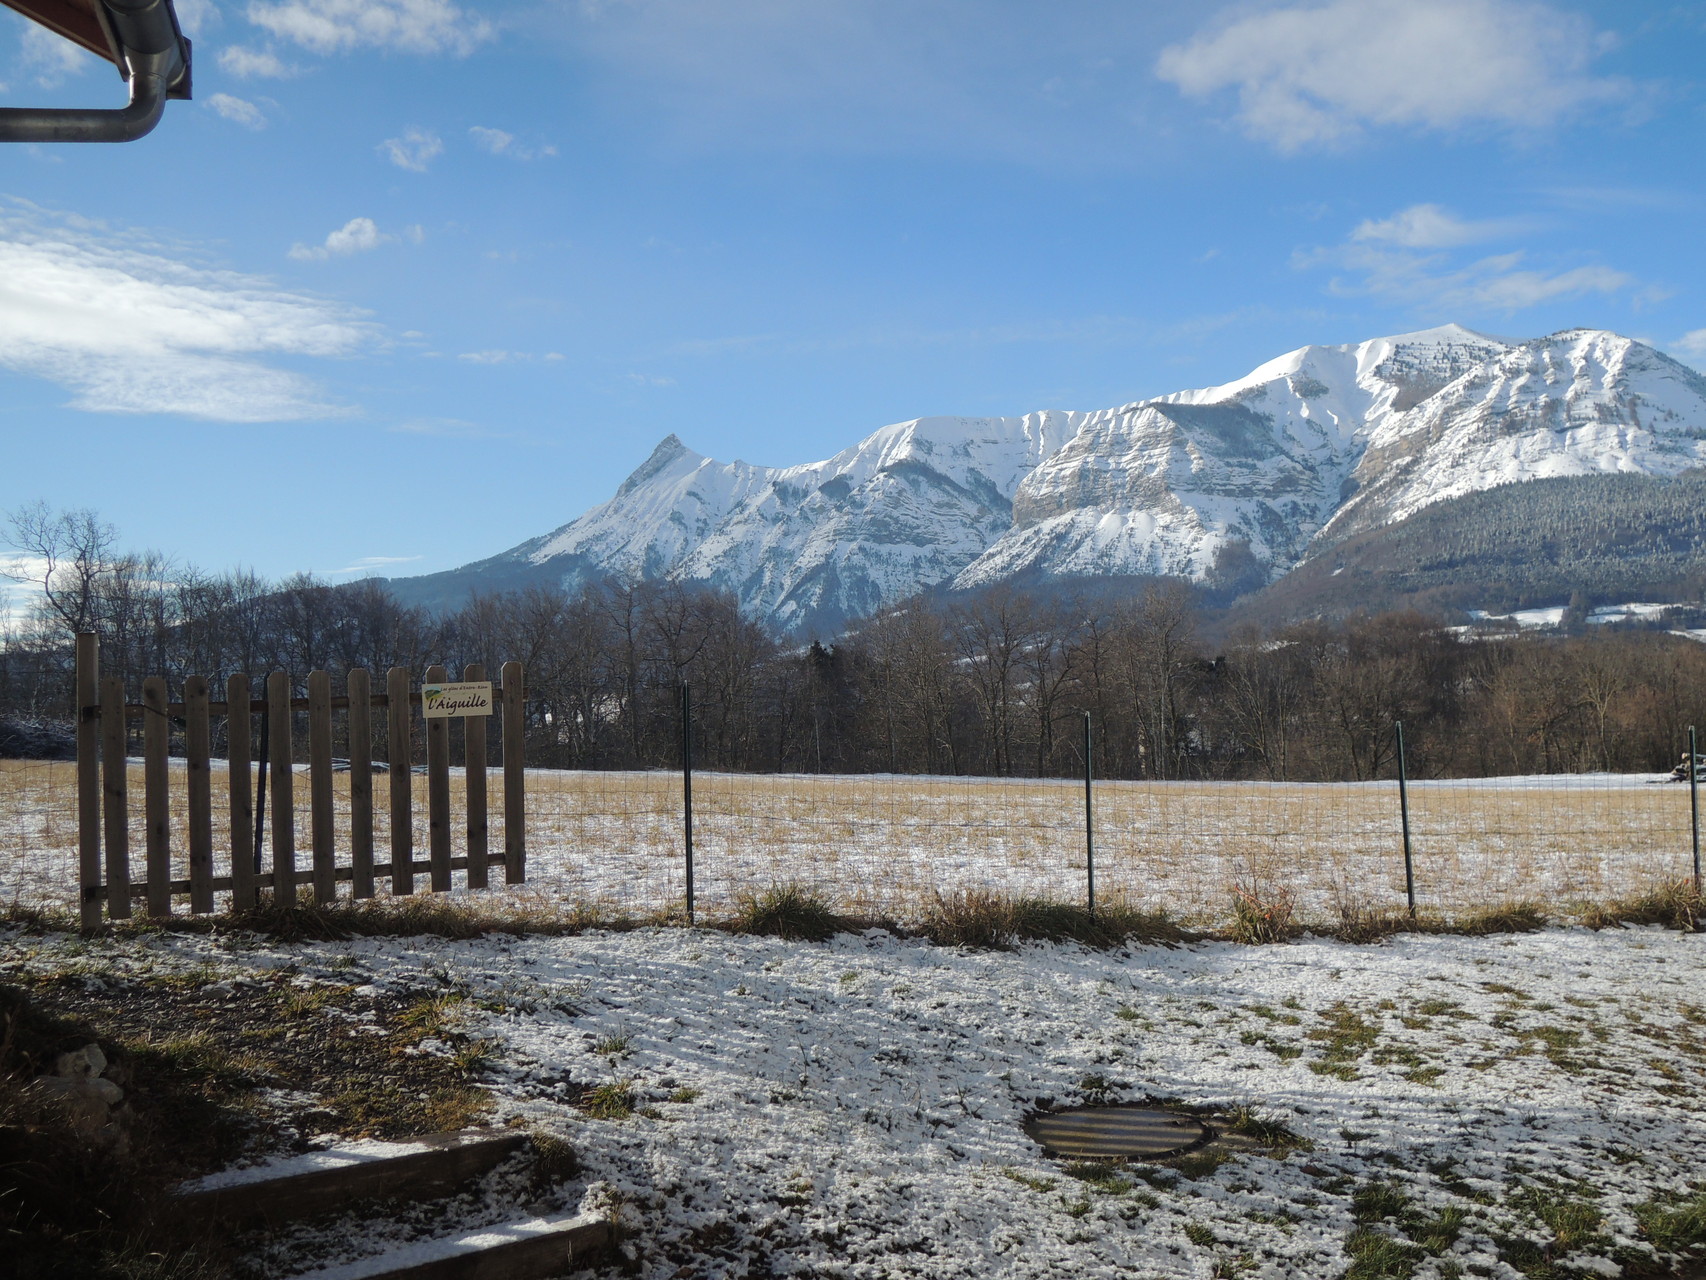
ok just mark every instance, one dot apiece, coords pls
pixel 1105 1132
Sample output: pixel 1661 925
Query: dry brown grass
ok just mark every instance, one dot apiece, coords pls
pixel 1263 914
pixel 992 921
pixel 791 913
pixel 890 848
pixel 1357 924
pixel 1677 905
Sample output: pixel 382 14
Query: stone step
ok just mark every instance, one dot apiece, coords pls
pixel 320 1181
pixel 525 1250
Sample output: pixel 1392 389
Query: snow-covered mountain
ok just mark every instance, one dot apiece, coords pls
pixel 1317 445
pixel 1161 486
pixel 1581 402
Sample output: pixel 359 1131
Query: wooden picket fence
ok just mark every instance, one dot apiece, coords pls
pixel 103 790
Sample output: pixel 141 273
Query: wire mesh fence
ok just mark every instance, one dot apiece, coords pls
pixel 888 844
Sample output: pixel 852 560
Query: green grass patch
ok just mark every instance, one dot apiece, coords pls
pixel 1393 1234
pixel 1375 1256
pixel 1274 1015
pixel 1674 1224
pixel 1261 1126
pixel 1029 1180
pixel 1346 1038
pixel 1100 1175
pixel 612 1100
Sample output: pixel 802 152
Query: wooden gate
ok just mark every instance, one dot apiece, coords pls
pixel 103 790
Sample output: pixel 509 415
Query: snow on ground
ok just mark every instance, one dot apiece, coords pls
pixel 854 1108
pixel 886 844
pixel 1603 615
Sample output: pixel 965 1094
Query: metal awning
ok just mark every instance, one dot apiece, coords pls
pixel 140 37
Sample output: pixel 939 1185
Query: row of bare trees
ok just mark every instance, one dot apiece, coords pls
pixel 996 684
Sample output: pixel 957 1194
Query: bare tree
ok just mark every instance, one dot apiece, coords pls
pixel 67 553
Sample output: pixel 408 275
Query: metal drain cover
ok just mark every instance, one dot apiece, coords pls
pixel 1104 1132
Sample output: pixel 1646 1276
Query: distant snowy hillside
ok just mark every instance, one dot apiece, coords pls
pixel 1318 445
pixel 1159 487
pixel 1578 403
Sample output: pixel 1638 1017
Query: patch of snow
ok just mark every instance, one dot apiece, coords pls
pixel 856 1107
pixel 342 1155
pixel 426 1252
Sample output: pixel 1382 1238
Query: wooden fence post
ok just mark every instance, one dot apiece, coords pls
pixel 89 778
pixel 321 815
pixel 438 791
pixel 283 801
pixel 359 686
pixel 197 751
pixel 515 777
pixel 240 788
pixel 115 797
pixel 401 783
pixel 474 770
pixel 157 794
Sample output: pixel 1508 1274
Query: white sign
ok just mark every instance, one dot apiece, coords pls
pixel 469 698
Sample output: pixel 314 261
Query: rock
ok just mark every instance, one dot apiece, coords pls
pixel 87 1061
pixel 86 1100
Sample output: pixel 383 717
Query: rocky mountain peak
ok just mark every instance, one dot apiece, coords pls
pixel 1308 448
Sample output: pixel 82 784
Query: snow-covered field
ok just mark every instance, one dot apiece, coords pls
pixel 854 1108
pixel 886 844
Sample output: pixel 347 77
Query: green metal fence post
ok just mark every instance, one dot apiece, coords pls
pixel 1089 820
pixel 687 786
pixel 1694 800
pixel 1404 811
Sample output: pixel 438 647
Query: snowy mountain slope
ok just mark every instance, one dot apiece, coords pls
pixel 668 507
pixel 1161 487
pixel 1576 403
pixel 809 545
pixel 1320 444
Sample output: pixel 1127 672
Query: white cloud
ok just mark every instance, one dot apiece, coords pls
pixel 52 58
pixel 1314 74
pixel 492 357
pixel 358 235
pixel 1429 226
pixel 415 150
pixel 196 16
pixel 246 63
pixel 500 143
pixel 20 587
pixel 131 328
pixel 494 140
pixel 369 565
pixel 406 26
pixel 1692 346
pixel 1407 258
pixel 238 111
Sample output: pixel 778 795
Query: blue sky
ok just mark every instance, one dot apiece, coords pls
pixel 411 281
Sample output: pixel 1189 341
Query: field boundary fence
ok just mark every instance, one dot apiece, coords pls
pixel 685 830
pixel 1420 825
pixel 690 835
pixel 208 858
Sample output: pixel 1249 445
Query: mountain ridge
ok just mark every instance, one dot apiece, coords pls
pixel 1315 446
